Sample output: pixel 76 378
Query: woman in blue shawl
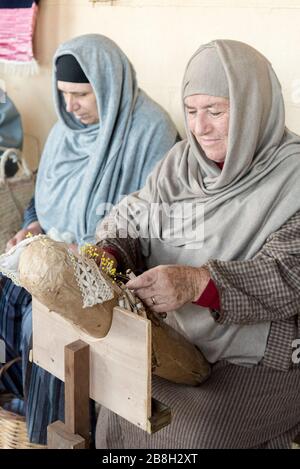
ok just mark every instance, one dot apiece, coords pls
pixel 108 137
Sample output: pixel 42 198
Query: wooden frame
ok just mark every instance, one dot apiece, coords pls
pixel 120 363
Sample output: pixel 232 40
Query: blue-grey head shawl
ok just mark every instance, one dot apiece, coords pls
pixel 11 131
pixel 84 167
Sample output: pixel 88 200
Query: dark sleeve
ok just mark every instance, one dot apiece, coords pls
pixel 29 214
pixel 125 249
pixel 265 288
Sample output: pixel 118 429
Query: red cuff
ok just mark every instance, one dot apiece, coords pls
pixel 210 297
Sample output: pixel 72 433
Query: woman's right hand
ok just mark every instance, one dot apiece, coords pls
pixel 34 228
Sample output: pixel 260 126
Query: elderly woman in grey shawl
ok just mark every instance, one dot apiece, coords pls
pixel 108 136
pixel 217 226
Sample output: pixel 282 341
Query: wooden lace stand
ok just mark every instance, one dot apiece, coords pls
pixel 115 371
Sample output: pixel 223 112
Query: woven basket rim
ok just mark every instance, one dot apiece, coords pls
pixel 13 432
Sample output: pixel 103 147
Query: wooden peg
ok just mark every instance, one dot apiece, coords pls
pixel 74 433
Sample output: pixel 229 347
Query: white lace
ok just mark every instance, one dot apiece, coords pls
pixel 65 237
pixel 93 287
pixel 9 261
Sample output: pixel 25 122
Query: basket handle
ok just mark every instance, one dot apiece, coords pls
pixel 21 162
pixel 7 365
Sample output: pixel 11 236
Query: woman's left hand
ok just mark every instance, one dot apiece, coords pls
pixel 168 287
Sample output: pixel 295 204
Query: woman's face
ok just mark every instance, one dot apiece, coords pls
pixel 80 100
pixel 208 120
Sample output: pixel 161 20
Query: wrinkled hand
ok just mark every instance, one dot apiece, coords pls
pixel 171 286
pixel 34 228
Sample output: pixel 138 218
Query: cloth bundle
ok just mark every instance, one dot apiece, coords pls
pixel 17 23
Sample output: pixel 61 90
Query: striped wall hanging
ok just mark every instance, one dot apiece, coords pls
pixel 17 24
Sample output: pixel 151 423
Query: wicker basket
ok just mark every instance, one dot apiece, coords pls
pixel 13 431
pixel 15 195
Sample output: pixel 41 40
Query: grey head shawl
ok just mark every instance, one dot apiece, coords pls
pixel 256 192
pixel 83 168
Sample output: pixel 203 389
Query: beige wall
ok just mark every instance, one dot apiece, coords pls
pixel 159 36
